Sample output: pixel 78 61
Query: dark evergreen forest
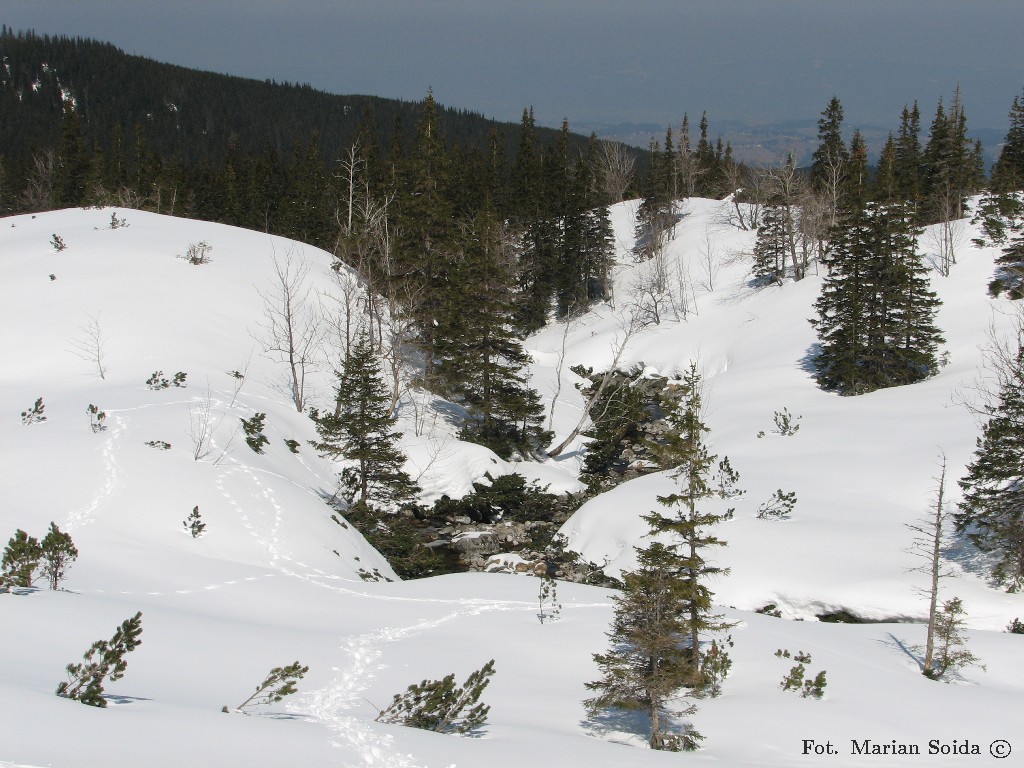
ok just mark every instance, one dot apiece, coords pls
pixel 214 146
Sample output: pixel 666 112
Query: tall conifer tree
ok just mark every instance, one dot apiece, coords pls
pixel 828 164
pixel 950 162
pixel 876 311
pixel 992 511
pixel 1008 172
pixel 480 358
pixel 425 248
pixel 908 165
pixel 691 523
pixel 648 662
pixel 362 431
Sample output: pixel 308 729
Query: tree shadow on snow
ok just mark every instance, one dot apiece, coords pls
pixel 912 652
pixel 809 362
pixel 615 724
pixel 965 555
pixel 286 716
pixel 115 699
pixel 21 591
pixel 916 653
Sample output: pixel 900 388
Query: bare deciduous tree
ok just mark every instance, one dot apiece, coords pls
pixel 629 327
pixel 999 371
pixel 91 345
pixel 350 163
pixel 681 295
pixel 949 234
pixel 292 330
pixel 735 211
pixel 345 313
pixel 614 166
pixel 650 291
pixel 558 370
pixel 200 425
pixel 38 194
pixel 710 262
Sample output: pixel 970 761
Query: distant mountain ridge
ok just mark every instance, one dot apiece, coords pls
pixel 195 115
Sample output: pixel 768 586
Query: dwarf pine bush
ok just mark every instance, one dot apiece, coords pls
pixel 440 705
pixel 278 683
pixel 34 415
pixel 194 523
pixel 253 429
pixel 102 662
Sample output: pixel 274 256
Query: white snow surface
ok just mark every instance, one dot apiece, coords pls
pixel 273 579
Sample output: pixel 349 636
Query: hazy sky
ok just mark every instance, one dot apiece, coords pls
pixel 592 61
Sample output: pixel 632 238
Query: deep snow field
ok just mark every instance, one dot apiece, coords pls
pixel 273 579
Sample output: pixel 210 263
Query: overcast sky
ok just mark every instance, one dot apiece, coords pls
pixel 592 61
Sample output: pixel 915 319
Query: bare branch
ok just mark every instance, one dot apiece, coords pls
pixel 90 346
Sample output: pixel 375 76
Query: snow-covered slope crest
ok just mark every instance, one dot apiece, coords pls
pixel 90 325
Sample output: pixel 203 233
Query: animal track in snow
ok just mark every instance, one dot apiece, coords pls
pixel 333 703
pixel 85 515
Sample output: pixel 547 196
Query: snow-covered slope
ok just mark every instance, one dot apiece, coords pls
pixel 862 467
pixel 155 312
pixel 274 579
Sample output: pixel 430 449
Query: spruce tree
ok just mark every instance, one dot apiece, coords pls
pixel 1010 277
pixel 73 168
pixel 829 161
pixel 709 166
pixel 480 358
pixel 618 415
pixel 842 306
pixel 772 245
pixel 648 662
pixel 691 522
pixel 856 184
pixel 951 653
pixel 992 511
pixel 534 218
pixel 1008 172
pixel 876 312
pixel 587 241
pixel 950 163
pixel 655 218
pixel 362 432
pixel 426 232
pixel 885 188
pixel 908 162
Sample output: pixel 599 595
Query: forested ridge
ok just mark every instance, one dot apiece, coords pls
pixel 194 115
pixel 160 136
